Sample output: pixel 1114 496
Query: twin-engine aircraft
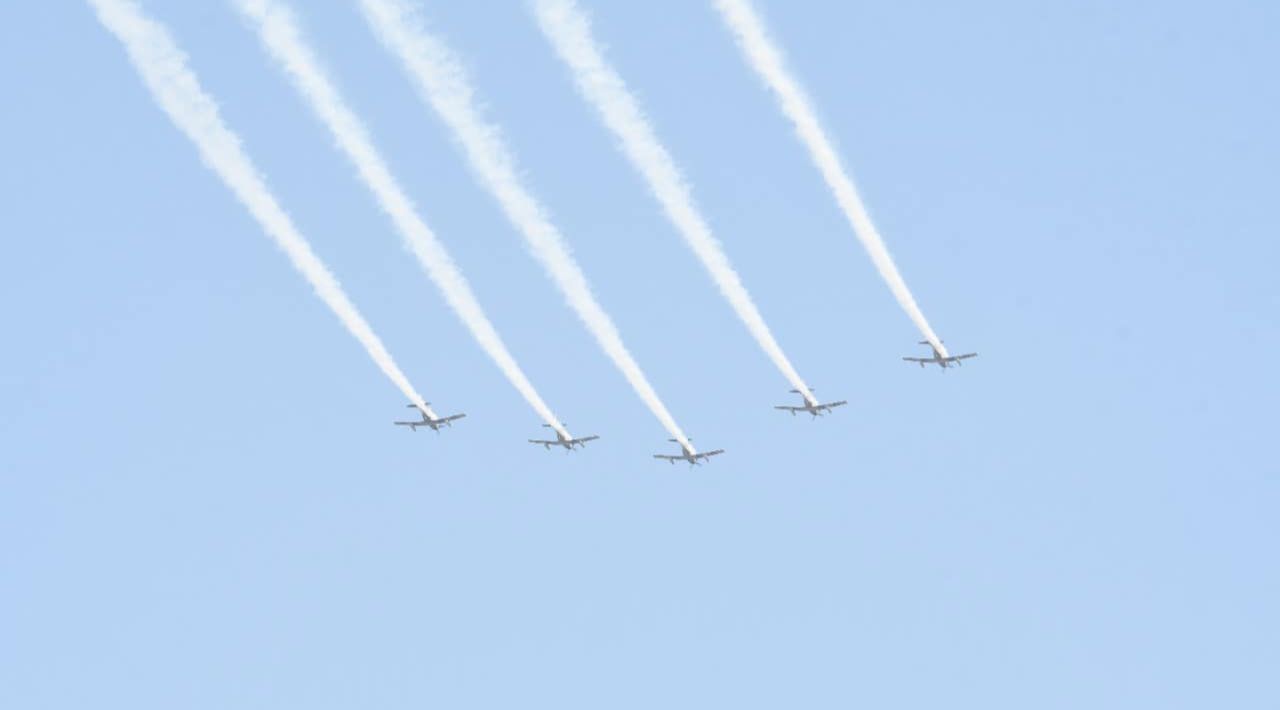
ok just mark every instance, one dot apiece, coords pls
pixel 562 440
pixel 687 454
pixel 429 421
pixel 938 358
pixel 812 406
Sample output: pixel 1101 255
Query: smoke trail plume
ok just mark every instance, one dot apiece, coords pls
pixel 570 32
pixel 442 82
pixel 176 89
pixel 280 34
pixel 765 57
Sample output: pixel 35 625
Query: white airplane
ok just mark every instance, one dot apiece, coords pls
pixel 562 440
pixel 429 421
pixel 687 454
pixel 938 359
pixel 812 406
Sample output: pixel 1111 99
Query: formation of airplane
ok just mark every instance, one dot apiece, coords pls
pixel 810 405
pixel 562 440
pixel 688 455
pixel 429 421
pixel 938 359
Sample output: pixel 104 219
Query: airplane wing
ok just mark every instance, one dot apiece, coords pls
pixel 666 457
pixel 584 439
pixel 833 405
pixel 785 408
pixel 918 359
pixel 966 356
pixel 450 418
pixel 709 454
pixel 544 442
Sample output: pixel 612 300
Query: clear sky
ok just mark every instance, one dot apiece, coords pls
pixel 203 503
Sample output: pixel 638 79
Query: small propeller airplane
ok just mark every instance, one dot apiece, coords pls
pixel 429 421
pixel 561 440
pixel 943 361
pixel 812 406
pixel 688 455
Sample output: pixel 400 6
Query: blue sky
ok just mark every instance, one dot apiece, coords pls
pixel 203 503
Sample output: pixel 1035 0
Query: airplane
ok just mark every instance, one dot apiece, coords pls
pixel 687 454
pixel 938 359
pixel 815 407
pixel 562 440
pixel 429 421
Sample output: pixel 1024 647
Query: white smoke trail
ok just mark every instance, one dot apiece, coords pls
pixel 176 89
pixel 570 32
pixel 443 83
pixel 765 57
pixel 280 34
